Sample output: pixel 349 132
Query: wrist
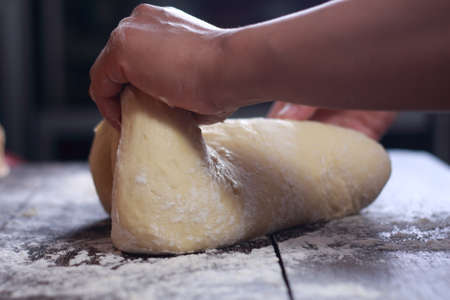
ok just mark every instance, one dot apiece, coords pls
pixel 238 64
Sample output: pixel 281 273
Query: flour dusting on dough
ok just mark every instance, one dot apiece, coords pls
pixel 235 180
pixel 141 178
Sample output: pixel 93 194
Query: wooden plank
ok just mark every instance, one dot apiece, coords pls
pixel 58 246
pixel 398 248
pixel 15 192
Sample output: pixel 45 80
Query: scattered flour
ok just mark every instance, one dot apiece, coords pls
pixel 82 256
pixel 189 276
pixel 336 291
pixel 141 179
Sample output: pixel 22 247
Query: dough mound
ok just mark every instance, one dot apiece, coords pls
pixel 177 188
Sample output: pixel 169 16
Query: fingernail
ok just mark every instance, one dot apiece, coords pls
pixel 283 111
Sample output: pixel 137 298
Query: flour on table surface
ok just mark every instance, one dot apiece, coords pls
pixel 397 248
pixel 94 274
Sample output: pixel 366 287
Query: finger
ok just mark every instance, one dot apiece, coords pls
pixel 106 96
pixel 211 119
pixel 107 79
pixel 379 122
pixel 297 112
pixel 275 109
pixel 110 110
pixel 372 123
pixel 291 111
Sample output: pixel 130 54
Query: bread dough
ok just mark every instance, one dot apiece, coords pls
pixel 178 188
pixel 102 160
pixel 4 169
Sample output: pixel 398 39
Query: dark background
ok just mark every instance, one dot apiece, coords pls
pixel 48 46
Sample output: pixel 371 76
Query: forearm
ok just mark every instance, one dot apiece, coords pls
pixel 356 54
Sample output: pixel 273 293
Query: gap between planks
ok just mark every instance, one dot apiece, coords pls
pixel 283 270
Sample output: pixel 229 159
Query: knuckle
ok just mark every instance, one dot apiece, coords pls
pixel 125 27
pixel 142 8
pixel 114 42
pixel 169 9
pixel 92 93
pixel 126 21
pixel 114 35
pixel 118 38
pixel 170 12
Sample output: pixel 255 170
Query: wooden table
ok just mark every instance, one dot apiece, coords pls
pixel 54 243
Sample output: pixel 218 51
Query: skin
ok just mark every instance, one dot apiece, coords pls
pixel 372 123
pixel 351 58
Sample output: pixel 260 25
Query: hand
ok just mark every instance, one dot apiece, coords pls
pixel 372 123
pixel 164 52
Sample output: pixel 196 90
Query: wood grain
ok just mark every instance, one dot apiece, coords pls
pixel 55 244
pixel 398 248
